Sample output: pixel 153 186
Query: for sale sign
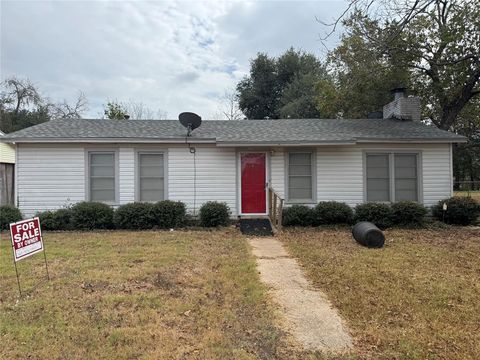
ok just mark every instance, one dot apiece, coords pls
pixel 26 238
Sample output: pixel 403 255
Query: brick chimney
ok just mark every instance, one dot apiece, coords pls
pixel 402 107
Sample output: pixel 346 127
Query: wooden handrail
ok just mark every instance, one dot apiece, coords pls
pixel 275 208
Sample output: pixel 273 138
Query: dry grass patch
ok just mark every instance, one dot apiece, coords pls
pixel 417 298
pixel 128 295
pixel 473 194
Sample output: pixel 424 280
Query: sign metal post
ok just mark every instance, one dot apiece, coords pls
pixel 16 272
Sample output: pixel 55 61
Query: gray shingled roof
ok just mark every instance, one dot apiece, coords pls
pixel 243 131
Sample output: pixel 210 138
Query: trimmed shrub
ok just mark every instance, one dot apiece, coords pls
pixel 92 215
pixel 377 213
pixel 332 212
pixel 47 220
pixel 169 214
pixel 9 214
pixel 60 219
pixel 297 215
pixel 460 210
pixel 134 216
pixel 409 213
pixel 214 214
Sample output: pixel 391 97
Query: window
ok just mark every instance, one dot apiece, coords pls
pixel 300 176
pixel 392 177
pixel 102 176
pixel 406 187
pixel 378 178
pixel 151 177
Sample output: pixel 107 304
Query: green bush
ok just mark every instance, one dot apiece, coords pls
pixel 214 213
pixel 460 210
pixel 409 213
pixel 332 212
pixel 169 214
pixel 92 215
pixel 377 213
pixel 60 219
pixel 9 214
pixel 134 216
pixel 297 215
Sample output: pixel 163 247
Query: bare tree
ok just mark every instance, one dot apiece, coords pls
pixel 19 93
pixel 140 111
pixel 217 115
pixel 228 108
pixel 403 11
pixel 64 110
pixel 162 114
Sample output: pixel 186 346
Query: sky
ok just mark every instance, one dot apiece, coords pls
pixel 172 56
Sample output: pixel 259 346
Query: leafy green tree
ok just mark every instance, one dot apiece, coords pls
pixel 281 87
pixel 258 92
pixel 441 44
pixel 436 41
pixel 431 46
pixel 299 98
pixel 115 110
pixel 361 76
pixel 11 121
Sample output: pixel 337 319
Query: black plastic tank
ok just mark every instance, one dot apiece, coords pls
pixel 367 234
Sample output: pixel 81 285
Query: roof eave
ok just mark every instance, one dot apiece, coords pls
pixel 415 140
pixel 282 143
pixel 111 140
pixel 230 143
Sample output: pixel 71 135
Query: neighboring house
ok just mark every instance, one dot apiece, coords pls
pixel 7 171
pixel 62 162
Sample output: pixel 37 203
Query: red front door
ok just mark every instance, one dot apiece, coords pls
pixel 253 183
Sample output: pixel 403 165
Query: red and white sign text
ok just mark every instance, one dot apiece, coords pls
pixel 26 238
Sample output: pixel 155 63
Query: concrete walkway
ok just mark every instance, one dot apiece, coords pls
pixel 308 314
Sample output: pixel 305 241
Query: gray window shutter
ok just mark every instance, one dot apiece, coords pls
pixel 102 177
pixel 406 177
pixel 300 176
pixel 151 177
pixel 378 178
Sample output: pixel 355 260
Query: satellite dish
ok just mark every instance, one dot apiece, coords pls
pixel 190 120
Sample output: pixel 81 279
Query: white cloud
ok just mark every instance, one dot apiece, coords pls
pixel 176 56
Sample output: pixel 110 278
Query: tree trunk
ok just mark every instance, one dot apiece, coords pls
pixel 452 108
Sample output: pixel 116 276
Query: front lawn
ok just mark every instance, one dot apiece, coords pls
pixel 128 295
pixel 417 298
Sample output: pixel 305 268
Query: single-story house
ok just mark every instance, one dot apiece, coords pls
pixel 7 171
pixel 304 161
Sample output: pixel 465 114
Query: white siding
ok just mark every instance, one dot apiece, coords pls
pixel 340 172
pixel 437 179
pixel 49 177
pixel 52 176
pixel 277 172
pixel 340 175
pixel 437 176
pixel 215 180
pixel 126 173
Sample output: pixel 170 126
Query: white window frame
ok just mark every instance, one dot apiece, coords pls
pixel 138 152
pixel 313 164
pixel 88 153
pixel 391 171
